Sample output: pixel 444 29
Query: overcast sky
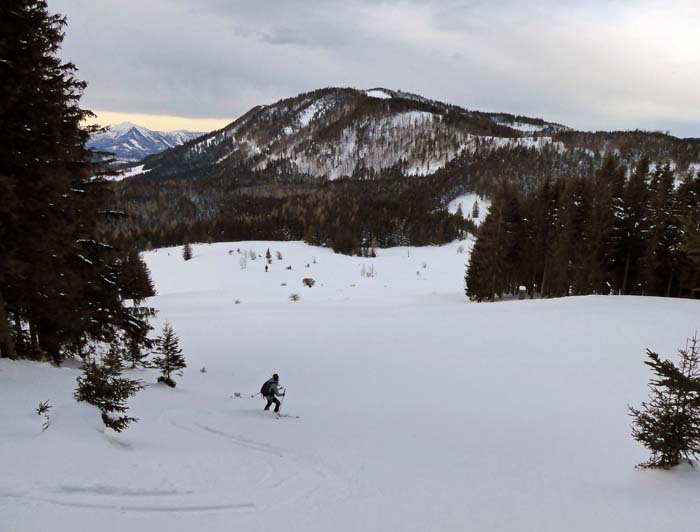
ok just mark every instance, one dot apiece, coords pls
pixel 593 64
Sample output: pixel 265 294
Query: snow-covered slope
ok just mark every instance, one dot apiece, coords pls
pixel 131 142
pixel 471 204
pixel 342 132
pixel 418 410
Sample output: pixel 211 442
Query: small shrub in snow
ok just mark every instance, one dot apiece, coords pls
pixel 268 256
pixel 294 297
pixel 368 271
pixel 283 284
pixel 460 249
pixel 279 256
pixel 203 370
pixel 237 302
pixel 170 360
pixel 252 254
pixel 668 424
pixel 288 268
pixel 187 251
pixel 308 281
pixel 43 410
pixel 424 265
pixel 243 261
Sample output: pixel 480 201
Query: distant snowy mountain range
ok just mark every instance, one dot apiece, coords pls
pixel 131 142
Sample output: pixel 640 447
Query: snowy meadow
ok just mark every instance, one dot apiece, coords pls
pixel 417 410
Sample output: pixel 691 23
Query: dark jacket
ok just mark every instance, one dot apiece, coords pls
pixel 273 388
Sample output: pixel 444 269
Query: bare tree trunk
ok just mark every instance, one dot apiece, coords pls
pixel 668 286
pixel 625 276
pixel 32 340
pixel 7 346
pixel 696 281
pixel 543 284
pixel 19 338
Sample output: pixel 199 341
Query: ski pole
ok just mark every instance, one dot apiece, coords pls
pixel 255 395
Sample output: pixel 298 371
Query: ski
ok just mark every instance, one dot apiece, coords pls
pixel 287 415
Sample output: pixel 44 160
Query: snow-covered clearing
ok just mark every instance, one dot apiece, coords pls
pixel 378 93
pixel 467 202
pixel 418 410
pixel 129 172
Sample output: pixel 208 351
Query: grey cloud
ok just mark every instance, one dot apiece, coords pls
pixel 593 64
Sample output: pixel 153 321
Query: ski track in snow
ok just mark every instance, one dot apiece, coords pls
pixel 313 476
pixel 129 507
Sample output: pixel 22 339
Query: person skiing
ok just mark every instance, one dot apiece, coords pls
pixel 271 391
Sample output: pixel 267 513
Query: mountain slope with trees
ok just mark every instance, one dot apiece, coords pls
pixel 344 167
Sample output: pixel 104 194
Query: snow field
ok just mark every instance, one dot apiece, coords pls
pixel 418 410
pixel 378 93
pixel 467 203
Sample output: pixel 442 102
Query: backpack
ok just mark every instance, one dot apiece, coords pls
pixel 266 388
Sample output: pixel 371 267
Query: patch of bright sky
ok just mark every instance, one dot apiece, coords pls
pixel 161 122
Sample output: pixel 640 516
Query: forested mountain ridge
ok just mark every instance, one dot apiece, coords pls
pixel 346 132
pixel 343 132
pixel 344 167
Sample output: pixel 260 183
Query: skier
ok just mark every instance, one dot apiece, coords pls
pixel 270 391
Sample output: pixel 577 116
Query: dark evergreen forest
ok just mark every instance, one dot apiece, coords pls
pixel 625 230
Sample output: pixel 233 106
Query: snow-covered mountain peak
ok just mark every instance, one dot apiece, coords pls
pixel 132 142
pixel 124 127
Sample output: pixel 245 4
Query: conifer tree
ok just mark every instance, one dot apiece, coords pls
pixel 102 385
pixel 135 279
pixel 635 223
pixel 58 281
pixel 170 360
pixel 475 209
pixel 137 343
pixel 544 210
pixel 688 204
pixel 495 253
pixel 668 424
pixel 605 227
pixel 187 251
pixel 660 264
